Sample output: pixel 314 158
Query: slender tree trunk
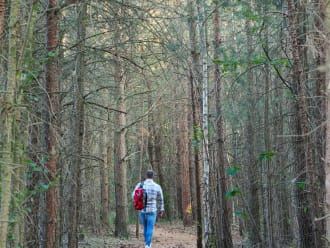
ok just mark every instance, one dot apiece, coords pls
pixel 8 111
pixel 2 21
pixel 205 125
pixel 78 127
pixel 327 170
pixel 121 221
pixel 197 167
pixel 158 166
pixel 184 163
pixel 252 168
pixel 327 150
pixel 53 105
pixel 266 164
pixel 224 238
pixel 104 175
pixel 151 130
pixel 194 81
pixel 308 233
pixel 320 113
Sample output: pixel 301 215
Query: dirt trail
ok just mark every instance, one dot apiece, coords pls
pixel 165 236
pixel 174 236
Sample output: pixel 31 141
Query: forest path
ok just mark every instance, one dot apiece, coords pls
pixel 165 236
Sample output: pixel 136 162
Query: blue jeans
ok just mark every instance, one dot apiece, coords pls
pixel 148 220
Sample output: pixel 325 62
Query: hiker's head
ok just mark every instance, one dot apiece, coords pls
pixel 150 174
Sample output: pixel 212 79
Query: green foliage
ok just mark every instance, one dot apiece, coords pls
pixel 173 46
pixel 232 193
pixel 33 165
pixel 301 185
pixel 257 60
pixel 266 155
pixel 233 170
pixel 242 214
pixel 249 15
pixel 197 138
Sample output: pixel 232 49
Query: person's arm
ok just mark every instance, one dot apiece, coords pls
pixel 160 202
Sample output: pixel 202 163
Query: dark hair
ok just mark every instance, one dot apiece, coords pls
pixel 150 174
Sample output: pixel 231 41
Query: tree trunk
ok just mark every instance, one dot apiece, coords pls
pixel 151 130
pixel 77 127
pixel 252 168
pixel 121 221
pixel 205 125
pixel 53 105
pixel 327 150
pixel 320 113
pixel 184 164
pixel 223 238
pixel 158 166
pixel 266 164
pixel 104 175
pixel 327 170
pixel 194 82
pixel 308 233
pixel 8 111
pixel 2 21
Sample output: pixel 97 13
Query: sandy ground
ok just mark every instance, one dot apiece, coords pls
pixel 165 236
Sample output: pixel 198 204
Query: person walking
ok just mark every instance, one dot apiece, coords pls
pixel 154 206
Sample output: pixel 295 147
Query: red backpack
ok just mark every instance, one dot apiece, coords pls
pixel 140 198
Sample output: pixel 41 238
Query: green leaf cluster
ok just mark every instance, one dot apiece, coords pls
pixel 232 193
pixel 266 155
pixel 197 138
pixel 241 213
pixel 233 170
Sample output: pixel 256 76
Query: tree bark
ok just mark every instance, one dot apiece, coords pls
pixel 121 220
pixel 223 237
pixel 205 125
pixel 194 82
pixel 104 175
pixel 266 163
pixel 307 229
pixel 8 110
pixel 53 105
pixel 77 127
pixel 327 150
pixel 320 113
pixel 184 164
pixel 252 168
pixel 2 21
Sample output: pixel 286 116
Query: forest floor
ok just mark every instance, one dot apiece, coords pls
pixel 165 236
